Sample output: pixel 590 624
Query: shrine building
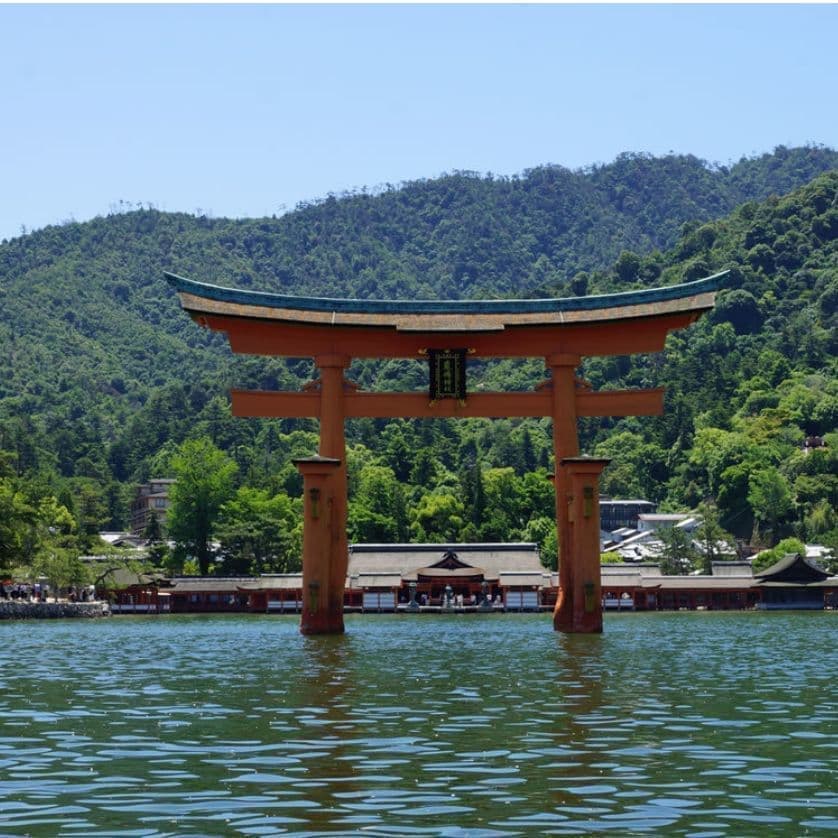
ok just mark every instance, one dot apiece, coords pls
pixel 476 578
pixel 447 334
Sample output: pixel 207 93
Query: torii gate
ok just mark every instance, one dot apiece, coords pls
pixel 334 331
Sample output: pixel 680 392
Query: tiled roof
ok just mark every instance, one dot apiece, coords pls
pixel 513 306
pixel 274 582
pixel 622 580
pixel 408 558
pixel 792 568
pixel 208 584
pixel 377 580
pixel 686 583
pixel 733 569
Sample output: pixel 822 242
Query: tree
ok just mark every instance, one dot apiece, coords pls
pixel 378 511
pixel 259 533
pixel 91 513
pixel 158 550
pixel 787 547
pixel 741 309
pixel 204 481
pixel 437 517
pixel 16 516
pixel 821 519
pixel 152 532
pixel 716 542
pixel 54 550
pixel 735 513
pixel 542 530
pixel 677 556
pixel 37 535
pixel 505 517
pixel 538 495
pixel 769 497
pixel 118 559
pixel 627 266
pixel 425 469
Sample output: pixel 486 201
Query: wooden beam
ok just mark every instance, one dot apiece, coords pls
pixel 621 402
pixel 288 405
pixel 292 340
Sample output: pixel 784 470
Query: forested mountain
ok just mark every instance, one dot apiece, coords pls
pixel 102 375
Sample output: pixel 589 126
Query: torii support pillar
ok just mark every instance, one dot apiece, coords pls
pixel 322 595
pixel 579 606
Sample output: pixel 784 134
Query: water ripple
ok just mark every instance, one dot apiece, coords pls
pixel 691 724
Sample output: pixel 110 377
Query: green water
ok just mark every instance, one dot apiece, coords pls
pixel 683 724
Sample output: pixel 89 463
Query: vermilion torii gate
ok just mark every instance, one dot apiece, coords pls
pixel 334 331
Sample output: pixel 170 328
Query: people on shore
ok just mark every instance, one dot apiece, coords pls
pixel 40 592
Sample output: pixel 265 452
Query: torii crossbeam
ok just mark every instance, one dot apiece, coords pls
pixel 334 331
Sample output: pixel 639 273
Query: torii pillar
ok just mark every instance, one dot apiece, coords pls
pixel 326 556
pixel 321 505
pixel 579 604
pixel 565 444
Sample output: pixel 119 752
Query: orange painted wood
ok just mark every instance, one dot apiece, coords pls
pixel 621 402
pixel 333 444
pixel 292 340
pixel 563 394
pixel 321 491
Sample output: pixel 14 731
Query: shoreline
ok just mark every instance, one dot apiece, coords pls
pixel 16 610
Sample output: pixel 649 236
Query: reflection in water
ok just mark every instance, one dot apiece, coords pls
pixel 712 724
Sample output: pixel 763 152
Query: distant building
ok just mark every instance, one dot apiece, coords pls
pixel 651 521
pixel 796 582
pixel 618 514
pixel 792 583
pixel 507 577
pixel 813 442
pixel 381 577
pixel 151 497
pixel 511 574
pixel 122 539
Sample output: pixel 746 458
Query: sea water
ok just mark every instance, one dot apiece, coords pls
pixel 694 724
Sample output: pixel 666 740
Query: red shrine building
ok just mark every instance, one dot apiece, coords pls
pixel 447 333
pixel 478 578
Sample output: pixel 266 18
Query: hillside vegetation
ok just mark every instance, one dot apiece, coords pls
pixel 102 376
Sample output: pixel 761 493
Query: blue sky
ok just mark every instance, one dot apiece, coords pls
pixel 246 110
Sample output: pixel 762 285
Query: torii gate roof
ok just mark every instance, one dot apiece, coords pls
pixel 445 315
pixel 280 324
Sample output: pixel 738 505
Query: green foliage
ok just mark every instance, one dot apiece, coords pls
pixel 204 477
pixel 37 535
pixel 678 557
pixel 437 517
pixel 716 543
pixel 769 496
pixel 542 531
pixel 259 533
pixel 378 513
pixel 103 380
pixel 787 547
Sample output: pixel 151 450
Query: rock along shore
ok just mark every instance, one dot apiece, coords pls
pixel 11 610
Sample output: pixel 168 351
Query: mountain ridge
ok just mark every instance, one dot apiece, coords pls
pixel 101 370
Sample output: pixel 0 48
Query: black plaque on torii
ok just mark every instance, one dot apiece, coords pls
pixel 447 374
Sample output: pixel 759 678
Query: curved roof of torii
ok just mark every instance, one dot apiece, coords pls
pixel 204 300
